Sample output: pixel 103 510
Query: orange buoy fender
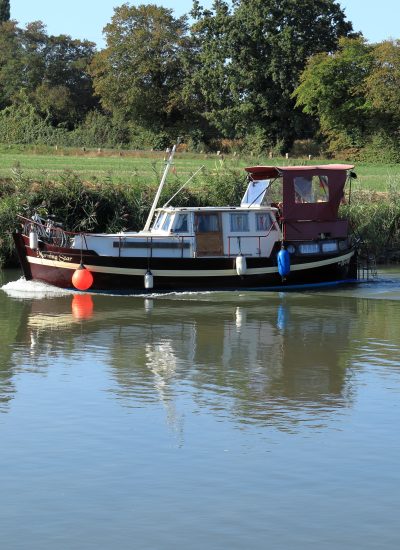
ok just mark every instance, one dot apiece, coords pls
pixel 82 279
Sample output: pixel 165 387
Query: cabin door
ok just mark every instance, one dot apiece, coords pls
pixel 208 234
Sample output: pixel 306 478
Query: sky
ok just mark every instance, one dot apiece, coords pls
pixel 85 19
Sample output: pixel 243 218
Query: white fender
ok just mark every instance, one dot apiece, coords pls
pixel 241 265
pixel 148 280
pixel 33 240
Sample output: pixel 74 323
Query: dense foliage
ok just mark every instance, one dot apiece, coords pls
pixel 249 58
pixel 355 95
pixel 4 10
pixel 255 75
pixel 228 75
pixel 139 74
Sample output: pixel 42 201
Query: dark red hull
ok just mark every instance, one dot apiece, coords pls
pixel 56 266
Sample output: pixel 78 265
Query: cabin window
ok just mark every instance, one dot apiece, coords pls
pixel 166 222
pixel 329 246
pixel 239 222
pixel 207 223
pixel 181 223
pixel 312 248
pixel 264 222
pixel 311 189
pixel 159 220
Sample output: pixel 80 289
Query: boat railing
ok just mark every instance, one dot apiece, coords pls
pixel 152 243
pixel 46 229
pixel 50 232
pixel 239 238
pixel 366 267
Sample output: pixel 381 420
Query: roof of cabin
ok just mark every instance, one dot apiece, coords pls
pixel 268 172
pixel 179 209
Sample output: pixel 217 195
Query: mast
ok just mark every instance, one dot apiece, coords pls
pixel 160 188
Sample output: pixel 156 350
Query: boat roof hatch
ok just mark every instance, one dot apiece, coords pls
pixel 255 192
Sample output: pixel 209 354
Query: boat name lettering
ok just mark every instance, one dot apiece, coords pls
pixel 53 256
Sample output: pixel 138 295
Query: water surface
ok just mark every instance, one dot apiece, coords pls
pixel 209 420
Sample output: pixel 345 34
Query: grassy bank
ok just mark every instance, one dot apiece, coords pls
pixel 101 191
pixel 96 165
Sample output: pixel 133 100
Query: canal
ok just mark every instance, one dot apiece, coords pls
pixel 245 420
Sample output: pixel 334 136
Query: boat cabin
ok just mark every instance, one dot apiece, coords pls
pixel 305 209
pixel 195 232
pixel 311 196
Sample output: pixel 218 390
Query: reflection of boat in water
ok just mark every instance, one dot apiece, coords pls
pixel 298 239
pixel 263 358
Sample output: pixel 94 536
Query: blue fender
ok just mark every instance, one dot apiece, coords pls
pixel 283 262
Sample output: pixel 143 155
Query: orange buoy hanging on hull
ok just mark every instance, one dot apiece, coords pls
pixel 82 279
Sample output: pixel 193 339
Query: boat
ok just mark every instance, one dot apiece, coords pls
pixel 285 233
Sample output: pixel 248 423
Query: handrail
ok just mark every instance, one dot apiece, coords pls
pixel 259 237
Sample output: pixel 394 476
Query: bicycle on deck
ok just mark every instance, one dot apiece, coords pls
pixel 47 230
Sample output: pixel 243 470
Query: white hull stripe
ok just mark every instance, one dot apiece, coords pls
pixel 187 272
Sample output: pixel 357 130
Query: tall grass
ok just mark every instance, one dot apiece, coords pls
pixel 375 216
pixel 106 206
pixel 110 206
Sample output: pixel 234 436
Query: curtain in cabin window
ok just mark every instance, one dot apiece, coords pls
pixel 239 222
pixel 264 222
pixel 207 223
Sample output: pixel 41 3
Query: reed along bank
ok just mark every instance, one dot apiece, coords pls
pixel 107 206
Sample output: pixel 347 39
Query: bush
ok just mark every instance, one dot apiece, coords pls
pixel 382 148
pixel 8 214
pixel 305 147
pixel 256 142
pixel 21 124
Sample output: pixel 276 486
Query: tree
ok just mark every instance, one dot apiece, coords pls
pixel 207 87
pixel 49 71
pixel 332 88
pixel 263 47
pixel 11 63
pixel 382 84
pixel 139 73
pixel 355 95
pixel 4 10
pixel 65 90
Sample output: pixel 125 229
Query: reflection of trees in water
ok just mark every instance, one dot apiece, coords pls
pixel 10 315
pixel 241 361
pixel 279 360
pixel 279 373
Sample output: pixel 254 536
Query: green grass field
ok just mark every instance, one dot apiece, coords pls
pixel 128 166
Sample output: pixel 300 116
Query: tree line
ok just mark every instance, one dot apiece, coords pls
pixel 257 73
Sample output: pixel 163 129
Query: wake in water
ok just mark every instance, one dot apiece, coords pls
pixel 22 288
pixel 387 285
